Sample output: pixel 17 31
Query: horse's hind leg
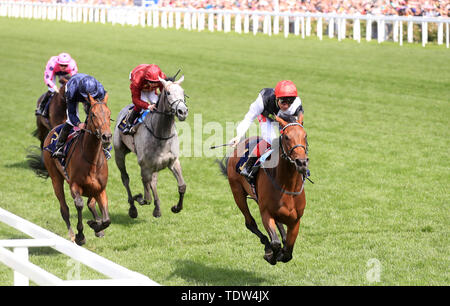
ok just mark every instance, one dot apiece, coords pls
pixel 58 188
pixel 120 162
pixel 177 172
pixel 240 197
pixel 79 204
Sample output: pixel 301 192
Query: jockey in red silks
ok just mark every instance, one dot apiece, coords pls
pixel 278 101
pixel 144 88
pixel 61 66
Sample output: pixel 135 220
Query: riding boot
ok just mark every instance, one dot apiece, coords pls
pixel 247 171
pixel 129 122
pixel 62 140
pixel 41 107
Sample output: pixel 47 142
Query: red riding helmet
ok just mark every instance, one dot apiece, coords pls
pixel 285 88
pixel 153 72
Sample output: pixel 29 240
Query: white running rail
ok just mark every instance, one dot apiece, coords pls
pixel 243 21
pixel 25 270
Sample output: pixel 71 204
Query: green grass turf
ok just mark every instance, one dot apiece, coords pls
pixel 377 118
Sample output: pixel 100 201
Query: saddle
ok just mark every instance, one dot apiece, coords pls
pixel 249 147
pixel 138 120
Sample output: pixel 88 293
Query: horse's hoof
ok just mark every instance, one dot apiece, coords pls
pixel 175 209
pixel 100 234
pixel 132 212
pixel 284 257
pixel 270 259
pixel 93 224
pixel 156 213
pixel 140 199
pixel 275 246
pixel 80 240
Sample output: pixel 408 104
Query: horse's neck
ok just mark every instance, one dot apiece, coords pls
pixel 162 123
pixel 91 147
pixel 287 175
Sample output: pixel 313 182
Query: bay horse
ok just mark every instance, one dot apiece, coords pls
pixel 56 113
pixel 86 170
pixel 279 191
pixel 156 145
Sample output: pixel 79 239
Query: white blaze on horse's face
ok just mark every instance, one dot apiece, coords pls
pixel 175 97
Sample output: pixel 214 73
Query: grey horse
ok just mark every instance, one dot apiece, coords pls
pixel 156 145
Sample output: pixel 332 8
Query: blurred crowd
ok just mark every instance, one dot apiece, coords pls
pixel 431 8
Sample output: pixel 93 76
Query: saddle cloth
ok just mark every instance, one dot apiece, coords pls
pixel 249 147
pixel 74 133
pixel 139 119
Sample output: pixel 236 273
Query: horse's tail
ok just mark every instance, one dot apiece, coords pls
pixel 223 165
pixel 36 162
pixel 35 133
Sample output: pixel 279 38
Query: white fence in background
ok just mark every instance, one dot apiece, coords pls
pixel 25 270
pixel 381 27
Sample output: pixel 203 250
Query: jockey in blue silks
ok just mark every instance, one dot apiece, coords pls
pixel 77 90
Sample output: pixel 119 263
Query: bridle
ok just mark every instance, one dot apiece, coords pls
pixel 97 133
pixel 287 156
pixel 172 112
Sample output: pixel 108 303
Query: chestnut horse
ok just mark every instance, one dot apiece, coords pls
pixel 279 190
pixel 56 113
pixel 86 170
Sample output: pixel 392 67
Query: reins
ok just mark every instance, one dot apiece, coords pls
pixel 287 157
pixel 170 113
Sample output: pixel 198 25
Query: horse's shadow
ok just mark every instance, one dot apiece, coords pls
pixel 203 275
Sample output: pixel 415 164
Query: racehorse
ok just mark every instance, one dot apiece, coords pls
pixel 86 170
pixel 56 113
pixel 279 191
pixel 156 145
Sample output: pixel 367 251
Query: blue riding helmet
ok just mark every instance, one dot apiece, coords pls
pixel 89 85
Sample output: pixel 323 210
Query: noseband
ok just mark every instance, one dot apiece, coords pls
pixel 173 110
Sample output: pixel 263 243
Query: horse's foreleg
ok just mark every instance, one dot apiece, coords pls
pixel 275 244
pixel 282 232
pixel 91 205
pixel 79 204
pixel 150 183
pixel 101 223
pixel 120 162
pixel 292 232
pixel 177 172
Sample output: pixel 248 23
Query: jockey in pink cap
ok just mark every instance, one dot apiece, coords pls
pixel 63 66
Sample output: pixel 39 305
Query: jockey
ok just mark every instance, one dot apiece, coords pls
pixel 283 100
pixel 62 66
pixel 77 90
pixel 144 86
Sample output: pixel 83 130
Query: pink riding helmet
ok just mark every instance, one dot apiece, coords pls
pixel 63 59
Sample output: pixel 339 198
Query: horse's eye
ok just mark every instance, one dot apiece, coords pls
pixel 168 93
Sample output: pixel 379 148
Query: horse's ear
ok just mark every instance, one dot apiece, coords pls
pixel 106 98
pixel 180 80
pixel 164 82
pixel 280 121
pixel 300 118
pixel 91 100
